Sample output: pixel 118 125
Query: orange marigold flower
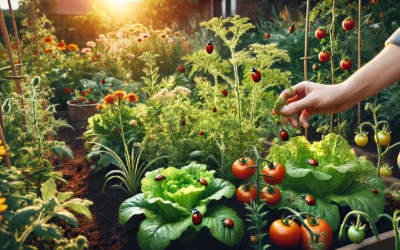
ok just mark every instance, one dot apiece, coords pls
pixel 47 39
pixel 132 97
pixel 47 51
pixel 100 106
pixel 163 36
pixel 119 94
pixel 109 99
pixel 61 45
pixel 73 47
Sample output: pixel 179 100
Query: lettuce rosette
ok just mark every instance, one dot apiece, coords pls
pixel 167 205
pixel 341 178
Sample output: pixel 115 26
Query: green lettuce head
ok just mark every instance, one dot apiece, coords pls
pixel 341 178
pixel 168 203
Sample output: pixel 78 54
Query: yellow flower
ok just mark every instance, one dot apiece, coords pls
pixel 47 39
pixel 61 45
pixel 119 94
pixel 73 47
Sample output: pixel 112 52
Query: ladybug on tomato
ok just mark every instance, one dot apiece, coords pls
pixel 197 217
pixel 308 199
pixel 160 177
pixel 210 47
pixel 228 222
pixel 203 182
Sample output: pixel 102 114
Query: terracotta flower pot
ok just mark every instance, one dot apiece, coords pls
pixel 81 112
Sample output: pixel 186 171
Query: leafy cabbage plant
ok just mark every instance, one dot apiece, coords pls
pixel 167 205
pixel 341 178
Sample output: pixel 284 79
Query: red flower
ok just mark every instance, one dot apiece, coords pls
pixel 102 81
pixel 84 93
pixel 82 99
pixel 109 99
pixel 54 56
pixel 67 90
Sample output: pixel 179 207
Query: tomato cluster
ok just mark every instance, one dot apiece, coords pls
pixel 288 234
pixel 273 174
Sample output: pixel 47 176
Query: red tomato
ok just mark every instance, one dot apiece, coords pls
pixel 324 56
pixel 346 64
pixel 274 173
pixel 267 35
pixel 272 195
pixel 285 236
pixel 348 24
pixel 320 33
pixel 244 195
pixel 320 227
pixel 241 168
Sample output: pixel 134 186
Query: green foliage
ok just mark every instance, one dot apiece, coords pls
pixel 29 141
pixel 167 205
pixel 256 218
pixel 340 177
pixel 28 215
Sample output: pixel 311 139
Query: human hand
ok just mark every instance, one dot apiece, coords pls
pixel 308 98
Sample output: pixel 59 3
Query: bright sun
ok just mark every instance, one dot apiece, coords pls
pixel 121 2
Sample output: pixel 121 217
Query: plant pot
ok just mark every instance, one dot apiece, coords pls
pixel 81 112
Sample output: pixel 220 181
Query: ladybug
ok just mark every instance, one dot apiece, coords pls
pixel 183 122
pixel 283 134
pixel 214 109
pixel 210 47
pixel 255 75
pixel 267 35
pixel 181 69
pixel 203 182
pixel 312 162
pixel 197 217
pixel 228 222
pixel 224 92
pixel 102 81
pixel 308 199
pixel 291 28
pixel 160 177
pixel 374 191
pixel 201 132
pixel 315 66
pixel 254 239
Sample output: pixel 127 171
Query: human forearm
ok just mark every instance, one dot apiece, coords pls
pixel 379 73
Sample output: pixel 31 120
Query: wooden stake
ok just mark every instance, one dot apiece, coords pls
pixel 306 51
pixel 359 57
pixel 7 44
pixel 14 24
pixel 2 137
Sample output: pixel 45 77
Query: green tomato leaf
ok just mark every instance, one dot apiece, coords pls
pixel 359 196
pixel 214 220
pixel 48 189
pixel 156 233
pixel 134 206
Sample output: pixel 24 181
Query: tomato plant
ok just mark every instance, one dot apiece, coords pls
pixel 317 226
pixel 284 233
pixel 246 194
pixel 273 173
pixel 348 24
pixel 271 194
pixel 356 235
pixel 386 171
pixel 346 64
pixel 320 33
pixel 241 168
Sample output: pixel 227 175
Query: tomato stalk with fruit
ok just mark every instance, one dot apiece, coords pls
pixel 395 223
pixel 356 232
pixel 381 137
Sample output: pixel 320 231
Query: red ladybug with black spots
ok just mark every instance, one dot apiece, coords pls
pixel 308 199
pixel 255 75
pixel 228 222
pixel 181 69
pixel 374 191
pixel 312 162
pixel 203 182
pixel 160 177
pixel 283 134
pixel 210 47
pixel 291 28
pixel 197 217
